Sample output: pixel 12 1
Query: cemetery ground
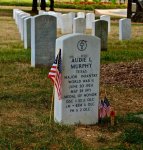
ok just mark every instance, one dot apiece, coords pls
pixel 25 96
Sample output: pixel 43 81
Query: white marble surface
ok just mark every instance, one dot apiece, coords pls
pixel 90 17
pixel 27 32
pixel 124 29
pixel 80 79
pixel 66 24
pixel 22 25
pixel 81 14
pixel 79 25
pixel 43 37
pixel 106 18
pixel 100 29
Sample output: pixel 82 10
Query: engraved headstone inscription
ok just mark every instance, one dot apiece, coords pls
pixel 43 38
pixel 100 29
pixel 80 79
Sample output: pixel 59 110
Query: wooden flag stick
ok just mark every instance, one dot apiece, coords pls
pixel 52 101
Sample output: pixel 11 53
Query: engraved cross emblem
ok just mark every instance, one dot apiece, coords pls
pixel 82 45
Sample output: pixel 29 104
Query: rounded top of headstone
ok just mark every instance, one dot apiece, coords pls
pixel 43 15
pixel 67 36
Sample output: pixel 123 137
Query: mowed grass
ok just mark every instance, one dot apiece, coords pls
pixel 127 50
pixel 25 99
pixel 25 95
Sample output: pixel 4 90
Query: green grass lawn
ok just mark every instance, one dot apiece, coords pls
pixel 25 98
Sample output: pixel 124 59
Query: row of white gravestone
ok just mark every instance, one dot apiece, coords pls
pixel 23 21
pixel 68 23
pixel 80 68
pixel 78 23
pixel 65 21
pixel 44 33
pixel 39 33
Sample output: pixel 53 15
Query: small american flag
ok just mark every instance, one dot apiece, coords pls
pixel 107 106
pixel 55 74
pixel 104 108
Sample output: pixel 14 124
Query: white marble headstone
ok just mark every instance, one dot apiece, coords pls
pixel 90 17
pixel 72 15
pixel 124 29
pixel 100 29
pixel 43 37
pixel 80 14
pixel 22 26
pixel 58 17
pixel 41 12
pixel 80 79
pixel 79 25
pixel 14 13
pixel 20 21
pixel 106 18
pixel 27 32
pixel 59 20
pixel 18 17
pixel 66 24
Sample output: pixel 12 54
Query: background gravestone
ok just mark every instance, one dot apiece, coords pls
pixel 58 17
pixel 80 14
pixel 14 13
pixel 43 37
pixel 106 18
pixel 80 79
pixel 124 29
pixel 100 29
pixel 79 25
pixel 90 17
pixel 27 33
pixel 17 15
pixel 41 12
pixel 22 26
pixel 66 24
pixel 20 19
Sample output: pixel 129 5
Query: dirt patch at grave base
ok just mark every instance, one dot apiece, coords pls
pixel 123 74
pixel 124 86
